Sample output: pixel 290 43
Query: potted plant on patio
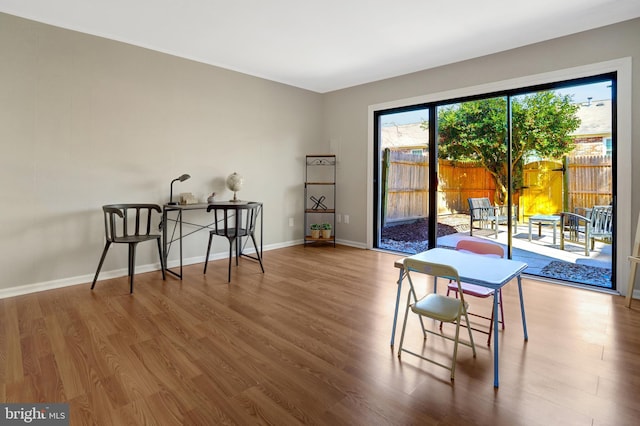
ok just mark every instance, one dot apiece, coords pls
pixel 326 230
pixel 315 230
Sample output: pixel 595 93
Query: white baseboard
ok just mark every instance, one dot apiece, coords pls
pixel 116 273
pixel 352 244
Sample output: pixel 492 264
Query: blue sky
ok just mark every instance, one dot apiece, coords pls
pixel 597 91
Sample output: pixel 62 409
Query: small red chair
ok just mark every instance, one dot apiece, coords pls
pixel 486 248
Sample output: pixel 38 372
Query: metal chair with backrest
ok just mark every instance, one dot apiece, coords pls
pixel 438 307
pixel 486 248
pixel 481 210
pixel 119 229
pixel 595 224
pixel 234 221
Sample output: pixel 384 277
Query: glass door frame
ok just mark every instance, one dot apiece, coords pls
pixel 508 94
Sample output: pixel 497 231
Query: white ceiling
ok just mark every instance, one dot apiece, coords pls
pixel 329 44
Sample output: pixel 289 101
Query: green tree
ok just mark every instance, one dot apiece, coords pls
pixel 476 131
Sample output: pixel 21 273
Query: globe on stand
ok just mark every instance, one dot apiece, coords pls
pixel 234 183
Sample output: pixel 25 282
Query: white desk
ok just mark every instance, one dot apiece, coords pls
pixel 168 240
pixel 484 271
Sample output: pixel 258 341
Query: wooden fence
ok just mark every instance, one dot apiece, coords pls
pixel 460 181
pixel 405 186
pixel 590 179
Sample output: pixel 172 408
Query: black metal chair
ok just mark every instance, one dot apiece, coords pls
pixel 119 230
pixel 234 221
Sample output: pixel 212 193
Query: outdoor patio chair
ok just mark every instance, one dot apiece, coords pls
pixel 595 224
pixel 437 307
pixel 481 210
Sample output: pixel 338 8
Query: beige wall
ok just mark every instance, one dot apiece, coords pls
pixel 85 121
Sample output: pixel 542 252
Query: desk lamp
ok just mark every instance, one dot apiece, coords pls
pixel 181 179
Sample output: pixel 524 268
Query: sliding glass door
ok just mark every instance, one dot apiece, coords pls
pixel 542 156
pixel 403 175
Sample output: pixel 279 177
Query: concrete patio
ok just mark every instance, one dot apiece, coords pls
pixel 545 258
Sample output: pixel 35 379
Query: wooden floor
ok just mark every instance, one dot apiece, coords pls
pixel 307 342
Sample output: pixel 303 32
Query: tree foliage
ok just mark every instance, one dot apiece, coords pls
pixel 476 131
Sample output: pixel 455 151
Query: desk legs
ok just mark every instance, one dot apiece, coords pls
pixel 166 243
pixel 181 234
pixel 165 254
pixel 168 240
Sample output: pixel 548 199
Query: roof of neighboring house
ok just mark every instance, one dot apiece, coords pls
pixel 404 135
pixel 595 117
